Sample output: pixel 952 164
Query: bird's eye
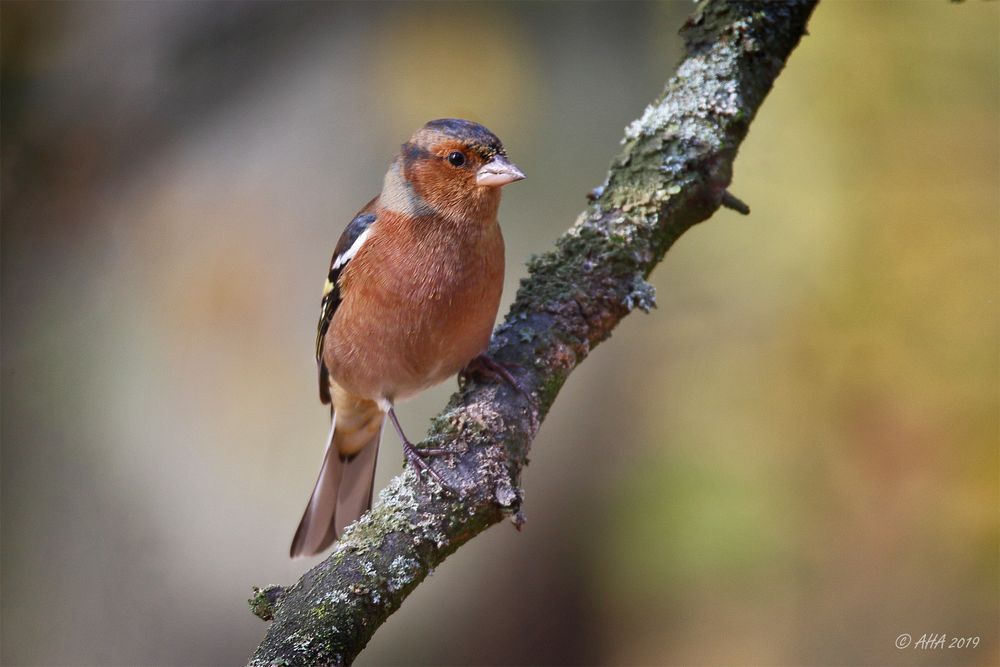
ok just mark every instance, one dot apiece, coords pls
pixel 456 158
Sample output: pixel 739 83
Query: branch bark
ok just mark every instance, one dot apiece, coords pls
pixel 672 173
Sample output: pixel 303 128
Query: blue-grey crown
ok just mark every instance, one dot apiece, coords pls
pixel 466 131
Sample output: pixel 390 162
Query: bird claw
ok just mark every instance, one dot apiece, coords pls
pixel 418 459
pixel 485 365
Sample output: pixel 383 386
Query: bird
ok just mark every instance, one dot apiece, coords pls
pixel 410 299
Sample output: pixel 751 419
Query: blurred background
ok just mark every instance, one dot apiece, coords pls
pixel 794 459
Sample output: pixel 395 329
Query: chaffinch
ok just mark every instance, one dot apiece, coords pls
pixel 410 299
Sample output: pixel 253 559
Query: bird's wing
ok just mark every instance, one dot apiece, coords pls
pixel 350 241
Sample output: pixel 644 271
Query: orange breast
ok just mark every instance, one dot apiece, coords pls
pixel 419 302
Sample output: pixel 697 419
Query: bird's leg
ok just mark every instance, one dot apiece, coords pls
pixel 486 365
pixel 417 457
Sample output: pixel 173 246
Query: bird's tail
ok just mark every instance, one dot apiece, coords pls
pixel 343 490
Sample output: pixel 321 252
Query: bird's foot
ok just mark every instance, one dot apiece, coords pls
pixel 486 366
pixel 417 458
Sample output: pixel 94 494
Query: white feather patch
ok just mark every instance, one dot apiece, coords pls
pixel 345 257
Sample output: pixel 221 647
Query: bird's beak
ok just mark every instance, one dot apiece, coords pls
pixel 497 172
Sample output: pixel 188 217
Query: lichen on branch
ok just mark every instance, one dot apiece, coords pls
pixel 673 171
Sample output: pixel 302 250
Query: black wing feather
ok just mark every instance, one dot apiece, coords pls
pixel 331 293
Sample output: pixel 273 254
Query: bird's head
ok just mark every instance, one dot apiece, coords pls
pixel 457 167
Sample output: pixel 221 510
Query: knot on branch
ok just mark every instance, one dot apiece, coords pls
pixel 265 600
pixel 508 497
pixel 641 295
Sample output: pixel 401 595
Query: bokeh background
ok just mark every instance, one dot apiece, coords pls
pixel 793 460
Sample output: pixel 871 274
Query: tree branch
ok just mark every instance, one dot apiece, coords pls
pixel 672 173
